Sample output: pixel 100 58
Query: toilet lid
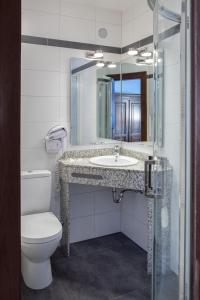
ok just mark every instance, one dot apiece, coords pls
pixel 40 228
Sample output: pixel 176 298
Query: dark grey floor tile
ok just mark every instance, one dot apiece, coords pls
pixel 99 269
pixel 135 295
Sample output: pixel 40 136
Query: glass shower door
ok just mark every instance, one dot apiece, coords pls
pixel 167 169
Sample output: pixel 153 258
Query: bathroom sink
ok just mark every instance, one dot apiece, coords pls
pixel 112 161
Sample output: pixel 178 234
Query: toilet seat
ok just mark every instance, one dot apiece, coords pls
pixel 40 228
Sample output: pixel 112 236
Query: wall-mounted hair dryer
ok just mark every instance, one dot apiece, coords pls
pixel 54 140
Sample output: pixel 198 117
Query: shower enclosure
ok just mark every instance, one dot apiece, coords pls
pixel 167 174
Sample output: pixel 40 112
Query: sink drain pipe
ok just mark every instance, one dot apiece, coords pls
pixel 118 196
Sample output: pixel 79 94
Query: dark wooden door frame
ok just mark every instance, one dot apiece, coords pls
pixel 10 33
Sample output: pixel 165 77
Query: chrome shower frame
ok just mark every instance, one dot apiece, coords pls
pixel 165 12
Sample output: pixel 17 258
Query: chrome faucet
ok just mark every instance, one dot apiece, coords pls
pixel 116 151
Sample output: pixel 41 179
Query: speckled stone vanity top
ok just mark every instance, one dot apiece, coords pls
pixel 75 167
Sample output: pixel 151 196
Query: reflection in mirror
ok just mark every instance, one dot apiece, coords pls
pixel 111 101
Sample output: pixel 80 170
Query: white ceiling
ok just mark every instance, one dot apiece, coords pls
pixel 109 4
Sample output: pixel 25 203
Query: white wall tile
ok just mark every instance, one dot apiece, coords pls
pixel 33 134
pixel 136 231
pixel 49 6
pixel 114 35
pixel 137 9
pixel 143 26
pixel 135 205
pixel 65 85
pixel 65 110
pixel 81 229
pixel 78 30
pixel 40 83
pixel 104 202
pixel 172 79
pixel 38 57
pixel 107 223
pixel 172 107
pixel 108 16
pixel 37 159
pixel 40 109
pixel 71 9
pixel 40 24
pixel 81 205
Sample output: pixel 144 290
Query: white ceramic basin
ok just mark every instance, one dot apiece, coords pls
pixel 111 161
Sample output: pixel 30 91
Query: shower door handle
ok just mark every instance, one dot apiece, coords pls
pixel 149 189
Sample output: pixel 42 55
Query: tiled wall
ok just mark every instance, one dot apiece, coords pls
pixel 67 20
pixel 46 102
pixel 93 213
pixel 134 218
pixel 137 22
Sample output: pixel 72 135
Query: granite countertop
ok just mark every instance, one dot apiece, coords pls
pixel 75 167
pixel 85 162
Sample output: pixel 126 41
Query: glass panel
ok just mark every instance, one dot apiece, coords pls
pixel 104 116
pixel 74 110
pixel 169 153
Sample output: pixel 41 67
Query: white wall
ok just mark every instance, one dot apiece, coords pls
pixel 70 21
pixel 45 77
pixel 137 22
pixel 93 213
pixel 46 97
pixel 134 218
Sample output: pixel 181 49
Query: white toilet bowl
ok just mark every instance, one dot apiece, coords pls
pixel 40 236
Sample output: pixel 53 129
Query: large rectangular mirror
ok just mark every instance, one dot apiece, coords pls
pixel 111 101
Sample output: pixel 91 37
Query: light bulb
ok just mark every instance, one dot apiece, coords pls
pixel 100 64
pixel 112 65
pixel 149 60
pixel 132 52
pixel 146 53
pixel 98 54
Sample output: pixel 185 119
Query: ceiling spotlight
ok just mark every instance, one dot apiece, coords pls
pixel 149 60
pixel 146 53
pixel 132 52
pixel 100 64
pixel 98 54
pixel 112 65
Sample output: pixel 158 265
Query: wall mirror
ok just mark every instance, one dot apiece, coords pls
pixel 111 101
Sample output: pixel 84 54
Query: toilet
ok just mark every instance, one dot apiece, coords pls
pixel 41 231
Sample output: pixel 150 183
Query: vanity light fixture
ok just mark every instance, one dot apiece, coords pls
pixel 98 54
pixel 132 52
pixel 141 62
pixel 100 64
pixel 145 53
pixel 149 60
pixel 112 65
